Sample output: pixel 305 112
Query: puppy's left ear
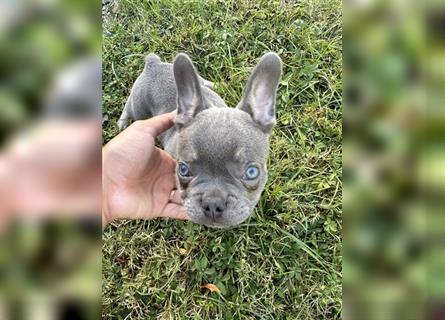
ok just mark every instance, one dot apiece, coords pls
pixel 188 87
pixel 259 94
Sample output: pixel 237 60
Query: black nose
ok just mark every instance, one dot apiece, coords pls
pixel 213 207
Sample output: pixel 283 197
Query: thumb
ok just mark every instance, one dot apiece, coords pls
pixel 175 211
pixel 157 125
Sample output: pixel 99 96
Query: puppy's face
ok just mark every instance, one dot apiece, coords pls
pixel 222 152
pixel 221 167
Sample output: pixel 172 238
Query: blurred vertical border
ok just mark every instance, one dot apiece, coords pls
pixel 394 160
pixel 50 75
pixel 39 39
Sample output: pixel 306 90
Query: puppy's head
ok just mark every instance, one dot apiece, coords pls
pixel 222 152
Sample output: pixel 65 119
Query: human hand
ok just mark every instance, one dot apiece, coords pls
pixel 52 168
pixel 138 177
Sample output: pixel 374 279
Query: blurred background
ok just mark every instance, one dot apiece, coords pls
pixel 50 159
pixel 394 160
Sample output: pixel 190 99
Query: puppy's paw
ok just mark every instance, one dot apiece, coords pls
pixel 208 84
pixel 123 124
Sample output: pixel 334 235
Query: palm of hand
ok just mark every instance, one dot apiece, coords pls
pixel 141 177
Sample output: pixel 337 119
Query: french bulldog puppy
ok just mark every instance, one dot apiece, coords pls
pixel 221 152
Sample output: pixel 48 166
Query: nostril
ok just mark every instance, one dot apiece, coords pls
pixel 213 207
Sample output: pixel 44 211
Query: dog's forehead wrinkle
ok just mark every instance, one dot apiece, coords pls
pixel 188 152
pixel 225 133
pixel 240 155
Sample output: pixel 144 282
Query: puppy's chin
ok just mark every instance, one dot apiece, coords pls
pixel 222 224
pixel 217 224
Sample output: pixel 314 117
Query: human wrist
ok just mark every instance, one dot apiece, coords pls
pixel 107 215
pixel 106 219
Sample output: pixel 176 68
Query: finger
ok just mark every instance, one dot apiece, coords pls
pixel 175 197
pixel 157 125
pixel 175 211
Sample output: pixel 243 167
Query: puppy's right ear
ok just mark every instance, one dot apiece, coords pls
pixel 189 96
pixel 260 91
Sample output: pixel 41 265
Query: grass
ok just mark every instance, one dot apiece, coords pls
pixel 285 261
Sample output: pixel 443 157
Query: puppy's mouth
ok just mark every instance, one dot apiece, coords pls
pixel 236 212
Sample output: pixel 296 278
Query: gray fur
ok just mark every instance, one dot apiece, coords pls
pixel 216 142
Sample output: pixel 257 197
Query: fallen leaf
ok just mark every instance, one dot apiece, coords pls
pixel 211 287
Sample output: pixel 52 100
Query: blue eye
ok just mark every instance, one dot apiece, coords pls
pixel 252 172
pixel 183 169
